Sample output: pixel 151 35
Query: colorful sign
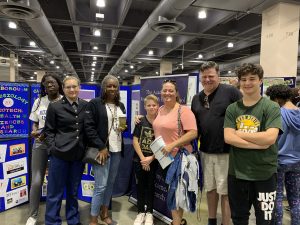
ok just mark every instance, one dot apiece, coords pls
pixel 14 110
pixel 14 168
pixel 16 149
pixel 17 182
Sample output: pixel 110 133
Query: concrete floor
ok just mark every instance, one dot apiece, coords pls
pixel 123 212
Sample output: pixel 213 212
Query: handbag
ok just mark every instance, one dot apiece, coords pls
pixel 91 153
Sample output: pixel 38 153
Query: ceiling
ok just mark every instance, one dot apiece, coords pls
pixel 63 32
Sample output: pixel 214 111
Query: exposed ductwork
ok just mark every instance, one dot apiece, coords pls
pixel 43 29
pixel 168 9
pixel 232 65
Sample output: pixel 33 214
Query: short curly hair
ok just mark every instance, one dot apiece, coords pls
pixel 249 68
pixel 295 98
pixel 280 92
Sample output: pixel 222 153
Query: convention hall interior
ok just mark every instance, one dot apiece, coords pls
pixel 132 39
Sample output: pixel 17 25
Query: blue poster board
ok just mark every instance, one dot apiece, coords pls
pixel 14 110
pixel 89 91
pixel 14 179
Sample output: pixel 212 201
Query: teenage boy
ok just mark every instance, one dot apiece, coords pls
pixel 251 127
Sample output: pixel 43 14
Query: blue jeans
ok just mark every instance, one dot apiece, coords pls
pixel 63 174
pixel 105 177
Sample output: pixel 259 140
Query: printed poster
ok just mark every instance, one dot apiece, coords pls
pixel 3 148
pixel 135 106
pixel 18 182
pixel 17 149
pixel 16 197
pixel 3 187
pixel 87 187
pixel 192 89
pixel 14 168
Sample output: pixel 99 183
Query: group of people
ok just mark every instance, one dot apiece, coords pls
pixel 62 130
pixel 238 132
pixel 238 142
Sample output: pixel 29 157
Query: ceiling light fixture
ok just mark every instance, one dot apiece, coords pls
pixel 31 78
pixel 131 66
pixel 35 73
pixel 202 14
pixel 169 39
pixel 97 32
pixel 200 56
pixel 93 68
pixel 19 64
pixel 32 43
pixel 95 48
pixel 126 71
pixel 94 58
pixel 12 25
pixel 156 73
pixel 150 52
pixel 52 62
pixel 57 67
pixel 100 3
pixel 229 71
pixel 230 45
pixel 99 16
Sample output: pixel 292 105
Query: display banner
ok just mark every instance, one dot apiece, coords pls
pixel 153 85
pixel 35 91
pixel 14 110
pixel 13 172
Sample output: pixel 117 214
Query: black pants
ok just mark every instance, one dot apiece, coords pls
pixel 145 186
pixel 243 194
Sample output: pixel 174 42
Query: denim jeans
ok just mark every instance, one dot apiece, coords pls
pixel 105 176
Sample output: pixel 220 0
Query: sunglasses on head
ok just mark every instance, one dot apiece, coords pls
pixel 169 81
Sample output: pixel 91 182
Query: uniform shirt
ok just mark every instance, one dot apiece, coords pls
pixel 251 164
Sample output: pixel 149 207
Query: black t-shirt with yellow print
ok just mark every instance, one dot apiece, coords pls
pixel 145 134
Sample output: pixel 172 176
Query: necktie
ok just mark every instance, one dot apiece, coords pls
pixel 75 106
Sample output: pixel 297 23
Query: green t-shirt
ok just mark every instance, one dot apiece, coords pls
pixel 251 164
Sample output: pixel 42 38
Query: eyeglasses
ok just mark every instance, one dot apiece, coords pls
pixel 169 81
pixel 206 102
pixel 71 87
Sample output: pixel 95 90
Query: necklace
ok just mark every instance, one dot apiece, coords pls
pixel 114 118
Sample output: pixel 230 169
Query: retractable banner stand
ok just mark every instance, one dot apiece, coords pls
pixel 153 85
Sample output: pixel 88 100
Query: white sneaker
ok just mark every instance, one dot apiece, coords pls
pixel 139 220
pixel 148 219
pixel 31 221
